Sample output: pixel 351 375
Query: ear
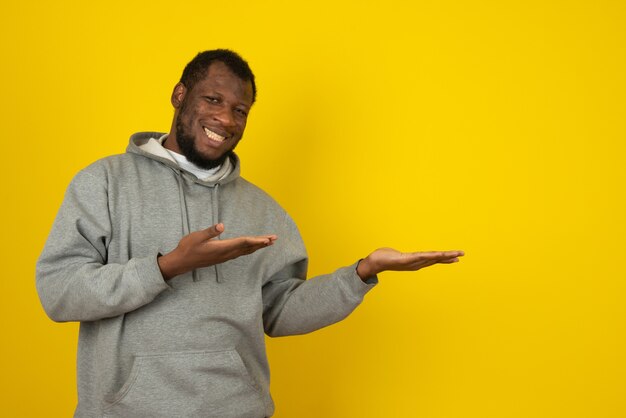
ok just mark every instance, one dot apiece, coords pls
pixel 178 95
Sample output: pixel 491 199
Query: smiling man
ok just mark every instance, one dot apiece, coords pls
pixel 176 266
pixel 216 105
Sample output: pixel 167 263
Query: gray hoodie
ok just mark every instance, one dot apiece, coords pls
pixel 192 346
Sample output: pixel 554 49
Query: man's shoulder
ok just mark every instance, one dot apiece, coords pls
pixel 113 163
pixel 106 169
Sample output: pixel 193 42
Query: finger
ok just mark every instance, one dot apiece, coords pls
pixel 424 264
pixel 261 241
pixel 436 254
pixel 433 261
pixel 214 231
pixel 253 244
pixel 270 237
pixel 449 261
pixel 228 249
pixel 240 242
pixel 447 254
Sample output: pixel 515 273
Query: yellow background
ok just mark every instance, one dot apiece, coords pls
pixel 496 127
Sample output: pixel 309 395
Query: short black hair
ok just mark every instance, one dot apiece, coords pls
pixel 197 67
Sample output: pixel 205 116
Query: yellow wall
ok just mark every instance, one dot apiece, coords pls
pixel 496 127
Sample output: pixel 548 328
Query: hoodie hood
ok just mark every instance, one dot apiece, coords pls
pixel 141 138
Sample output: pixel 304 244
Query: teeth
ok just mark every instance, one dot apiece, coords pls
pixel 212 135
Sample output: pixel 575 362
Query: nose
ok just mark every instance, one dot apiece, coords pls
pixel 225 117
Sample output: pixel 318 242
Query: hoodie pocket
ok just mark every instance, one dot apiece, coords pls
pixel 187 384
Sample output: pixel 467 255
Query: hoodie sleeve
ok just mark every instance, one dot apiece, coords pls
pixel 294 305
pixel 74 280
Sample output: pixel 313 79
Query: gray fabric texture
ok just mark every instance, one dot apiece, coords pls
pixel 192 346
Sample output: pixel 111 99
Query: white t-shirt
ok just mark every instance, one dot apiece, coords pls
pixel 155 147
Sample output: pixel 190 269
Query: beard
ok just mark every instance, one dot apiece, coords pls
pixel 186 143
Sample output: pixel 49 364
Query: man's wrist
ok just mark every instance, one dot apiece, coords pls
pixel 364 269
pixel 169 265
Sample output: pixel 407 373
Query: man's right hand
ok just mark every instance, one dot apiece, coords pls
pixel 200 249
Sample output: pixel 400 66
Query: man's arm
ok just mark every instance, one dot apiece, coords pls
pixel 293 305
pixel 300 306
pixel 76 282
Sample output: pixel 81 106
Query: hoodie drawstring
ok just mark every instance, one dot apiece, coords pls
pixel 183 214
pixel 185 217
pixel 215 219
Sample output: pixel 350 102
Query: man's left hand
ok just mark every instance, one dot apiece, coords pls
pixel 389 259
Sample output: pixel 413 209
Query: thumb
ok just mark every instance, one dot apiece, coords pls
pixel 214 231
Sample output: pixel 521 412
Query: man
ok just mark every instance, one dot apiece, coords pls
pixel 176 266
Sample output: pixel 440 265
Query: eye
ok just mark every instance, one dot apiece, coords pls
pixel 242 112
pixel 212 99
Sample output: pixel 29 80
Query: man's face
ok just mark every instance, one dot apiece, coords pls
pixel 211 117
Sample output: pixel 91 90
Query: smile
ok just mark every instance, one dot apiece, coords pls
pixel 214 136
